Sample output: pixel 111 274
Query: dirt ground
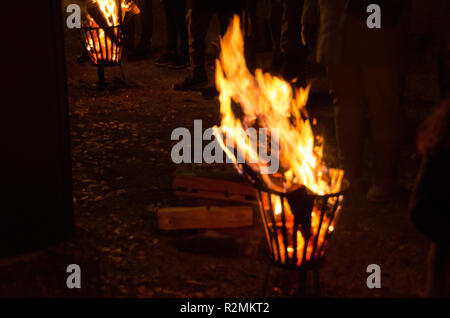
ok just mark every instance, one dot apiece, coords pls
pixel 122 173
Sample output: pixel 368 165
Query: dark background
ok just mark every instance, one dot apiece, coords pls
pixel 36 185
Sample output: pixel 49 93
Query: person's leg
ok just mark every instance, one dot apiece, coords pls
pixel 171 23
pixel 383 87
pixel 291 45
pixel 129 30
pixel 147 25
pixel 144 47
pixel 250 33
pixel 198 19
pixel 346 89
pixel 225 12
pixel 170 56
pixel 275 18
pixel 179 18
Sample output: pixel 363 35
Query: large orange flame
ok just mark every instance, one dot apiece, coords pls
pixel 270 102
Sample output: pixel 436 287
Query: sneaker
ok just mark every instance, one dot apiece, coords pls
pixel 181 62
pixel 192 83
pixel 166 59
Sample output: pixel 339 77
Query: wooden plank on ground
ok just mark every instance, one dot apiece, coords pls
pixel 213 189
pixel 214 185
pixel 202 217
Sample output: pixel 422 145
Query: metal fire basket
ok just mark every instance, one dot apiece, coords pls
pixel 298 225
pixel 104 46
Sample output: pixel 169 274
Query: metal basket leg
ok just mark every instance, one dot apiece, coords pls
pixel 101 76
pixel 122 73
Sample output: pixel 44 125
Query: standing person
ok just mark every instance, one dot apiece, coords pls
pixel 199 16
pixel 143 49
pixel 430 207
pixel 365 66
pixel 176 57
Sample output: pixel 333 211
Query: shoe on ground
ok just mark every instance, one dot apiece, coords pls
pixel 192 83
pixel 182 61
pixel 140 54
pixel 379 194
pixel 166 59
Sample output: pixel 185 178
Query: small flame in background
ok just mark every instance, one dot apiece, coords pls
pixel 110 11
pixel 270 102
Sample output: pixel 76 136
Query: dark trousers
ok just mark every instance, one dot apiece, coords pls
pixel 176 26
pixel 371 73
pixel 438 280
pixel 146 17
pixel 379 87
pixel 275 16
pixel 285 26
pixel 199 16
pixel 291 46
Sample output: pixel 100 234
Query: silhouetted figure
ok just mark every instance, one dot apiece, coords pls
pixel 200 13
pixel 430 206
pixel 177 56
pixel 365 67
pixel 143 48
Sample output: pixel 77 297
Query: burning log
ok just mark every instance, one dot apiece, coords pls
pixel 213 217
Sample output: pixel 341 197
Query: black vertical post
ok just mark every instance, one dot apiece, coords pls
pixel 101 75
pixel 36 183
